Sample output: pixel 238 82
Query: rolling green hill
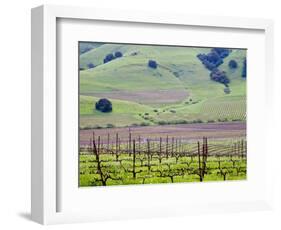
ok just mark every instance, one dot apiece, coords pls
pixel 87 46
pixel 178 90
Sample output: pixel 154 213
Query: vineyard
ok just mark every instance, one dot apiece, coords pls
pixel 230 109
pixel 114 160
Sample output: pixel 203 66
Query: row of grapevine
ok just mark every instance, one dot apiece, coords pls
pixel 168 159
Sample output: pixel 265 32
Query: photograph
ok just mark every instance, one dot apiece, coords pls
pixel 154 114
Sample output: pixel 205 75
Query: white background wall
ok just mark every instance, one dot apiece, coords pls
pixel 15 112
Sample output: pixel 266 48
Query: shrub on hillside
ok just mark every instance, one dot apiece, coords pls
pixel 197 121
pixel 222 120
pixel 227 90
pixel 219 76
pixel 144 124
pixel 232 64
pixel 134 54
pixel 152 64
pixel 213 59
pixel 91 65
pixel 118 54
pixel 244 69
pixel 210 60
pixel 108 58
pixel 236 119
pixel 162 122
pixel 104 105
pixel 110 126
pixel 177 122
pixel 173 122
pixel 222 52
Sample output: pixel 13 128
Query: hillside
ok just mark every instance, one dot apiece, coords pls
pixel 179 90
pixel 87 46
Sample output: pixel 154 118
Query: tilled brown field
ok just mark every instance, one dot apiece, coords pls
pixel 191 132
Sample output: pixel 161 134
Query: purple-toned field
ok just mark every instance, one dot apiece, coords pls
pixel 145 96
pixel 191 132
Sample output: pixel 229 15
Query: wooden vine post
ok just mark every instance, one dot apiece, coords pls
pixel 116 147
pixel 160 150
pixel 167 150
pixel 148 154
pixel 202 163
pixel 134 159
pixel 98 161
pixel 199 162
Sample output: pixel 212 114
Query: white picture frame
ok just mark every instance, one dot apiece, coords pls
pixel 45 206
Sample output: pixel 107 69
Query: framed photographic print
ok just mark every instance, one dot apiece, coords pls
pixel 140 114
pixel 161 114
